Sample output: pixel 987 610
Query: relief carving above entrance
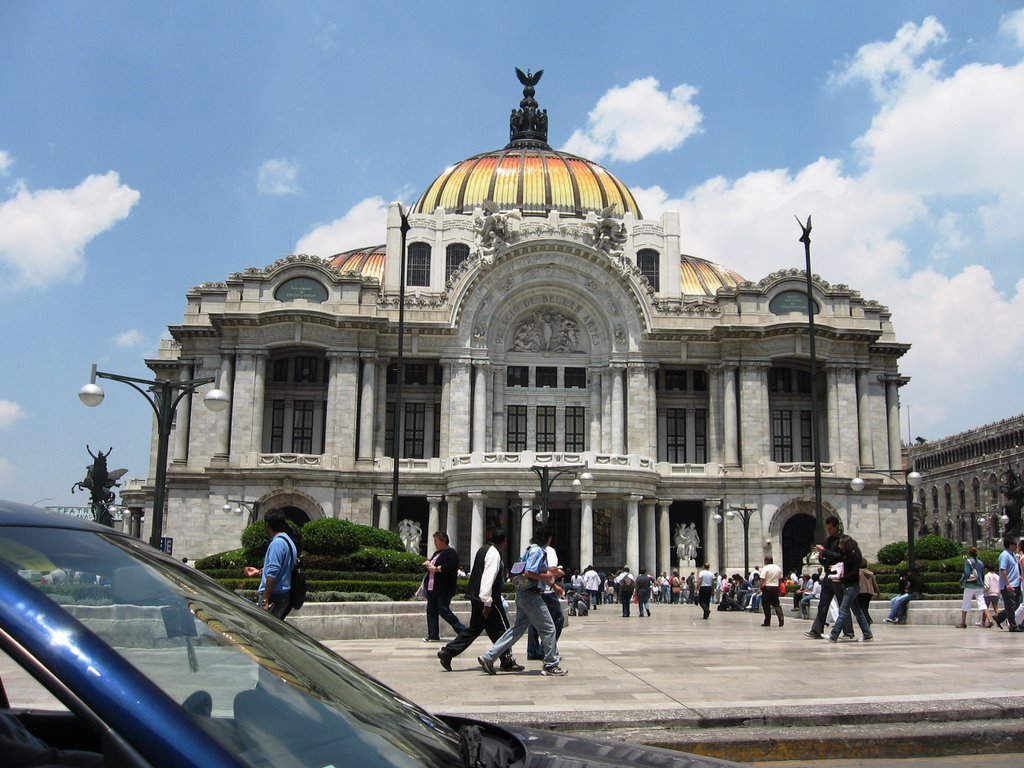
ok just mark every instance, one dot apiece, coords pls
pixel 546 331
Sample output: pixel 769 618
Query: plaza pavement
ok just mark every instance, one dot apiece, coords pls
pixel 732 688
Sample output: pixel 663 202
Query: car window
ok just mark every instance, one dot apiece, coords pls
pixel 268 692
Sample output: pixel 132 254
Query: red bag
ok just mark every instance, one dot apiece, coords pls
pixel 782 587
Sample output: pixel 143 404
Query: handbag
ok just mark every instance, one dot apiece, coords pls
pixel 782 587
pixel 517 575
pixel 836 572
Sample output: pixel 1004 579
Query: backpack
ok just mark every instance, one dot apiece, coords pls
pixel 297 596
pixel 626 583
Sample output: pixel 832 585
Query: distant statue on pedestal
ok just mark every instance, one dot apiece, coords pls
pixel 687 540
pixel 1013 489
pixel 100 482
pixel 410 533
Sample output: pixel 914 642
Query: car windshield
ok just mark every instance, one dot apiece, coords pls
pixel 270 694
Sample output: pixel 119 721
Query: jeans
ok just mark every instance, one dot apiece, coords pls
pixel 898 606
pixel 848 605
pixel 533 649
pixel 439 606
pixel 1011 599
pixel 530 610
pixel 644 602
pixel 625 598
pixel 595 598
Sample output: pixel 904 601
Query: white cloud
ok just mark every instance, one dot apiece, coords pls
pixel 43 234
pixel 891 67
pixel 638 120
pixel 6 161
pixel 131 338
pixel 1013 24
pixel 942 161
pixel 363 225
pixel 278 177
pixel 10 412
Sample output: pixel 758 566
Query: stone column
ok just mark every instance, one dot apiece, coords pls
pixel 595 379
pixel 716 430
pixel 384 523
pixel 864 418
pixel 832 408
pixel 892 404
pixel 498 409
pixel 341 415
pixel 446 409
pixel 526 520
pixel 381 407
pixel 258 398
pixel 223 419
pixel 755 418
pixel 650 538
pixel 664 537
pixel 711 529
pixel 476 528
pixel 847 409
pixel 183 419
pixel 243 410
pixel 729 420
pixel 652 411
pixel 633 531
pixel 451 524
pixel 434 516
pixel 618 410
pixel 367 407
pixel 479 408
pixel 459 404
pixel 587 528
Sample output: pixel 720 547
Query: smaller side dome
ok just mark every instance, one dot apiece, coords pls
pixel 368 262
pixel 700 277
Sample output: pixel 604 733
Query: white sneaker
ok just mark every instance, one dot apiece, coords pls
pixel 554 670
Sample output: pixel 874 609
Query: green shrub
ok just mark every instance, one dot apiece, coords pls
pixel 385 561
pixel 255 541
pixel 347 597
pixel 329 536
pixel 234 558
pixel 378 538
pixel 931 547
pixel 893 554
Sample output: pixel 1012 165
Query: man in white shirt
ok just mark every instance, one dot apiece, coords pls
pixel 550 593
pixel 592 583
pixel 705 588
pixel 771 578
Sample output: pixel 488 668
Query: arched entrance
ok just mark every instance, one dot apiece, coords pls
pixel 796 534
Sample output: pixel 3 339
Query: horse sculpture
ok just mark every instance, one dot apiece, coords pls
pixel 1013 489
pixel 100 482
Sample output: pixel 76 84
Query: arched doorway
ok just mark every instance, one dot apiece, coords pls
pixel 797 539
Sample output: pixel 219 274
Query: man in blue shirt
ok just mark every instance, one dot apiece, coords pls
pixel 276 583
pixel 531 609
pixel 1009 583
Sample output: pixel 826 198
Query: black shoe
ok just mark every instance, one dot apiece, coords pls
pixel 782 622
pixel 511 666
pixel 431 639
pixel 766 624
pixel 813 634
pixel 445 658
pixel 534 657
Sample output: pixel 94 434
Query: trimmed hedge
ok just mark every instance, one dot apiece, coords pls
pixel 330 536
pixel 384 561
pixel 234 558
pixel 394 590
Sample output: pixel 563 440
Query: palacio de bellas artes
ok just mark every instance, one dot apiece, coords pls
pixel 557 356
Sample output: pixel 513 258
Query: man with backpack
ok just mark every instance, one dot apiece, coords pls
pixel 274 594
pixel 624 582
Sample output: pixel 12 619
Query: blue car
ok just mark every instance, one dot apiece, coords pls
pixel 151 663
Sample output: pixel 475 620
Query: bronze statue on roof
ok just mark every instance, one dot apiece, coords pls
pixel 528 125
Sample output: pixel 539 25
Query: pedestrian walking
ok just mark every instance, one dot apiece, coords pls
pixel 1009 584
pixel 828 556
pixel 768 587
pixel 705 589
pixel 440 583
pixel 849 580
pixel 973 582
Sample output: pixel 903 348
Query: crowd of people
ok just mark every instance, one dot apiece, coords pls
pixel 840 586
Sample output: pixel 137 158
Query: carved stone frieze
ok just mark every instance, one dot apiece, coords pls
pixel 546 331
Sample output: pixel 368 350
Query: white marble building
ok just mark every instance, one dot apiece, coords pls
pixel 546 323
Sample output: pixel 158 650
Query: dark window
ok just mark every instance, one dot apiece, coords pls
pixel 803 382
pixel 517 376
pixel 647 261
pixel 455 254
pixel 675 435
pixel 437 430
pixel 675 379
pixel 281 369
pixel 305 368
pixel 416 374
pixel 576 378
pixel 515 428
pixel 547 428
pixel 700 436
pixel 547 376
pixel 418 268
pixel 575 421
pixel 779 380
pixel 277 427
pixel 806 444
pixel 602 533
pixel 700 381
pixel 414 430
pixel 302 427
pixel 782 436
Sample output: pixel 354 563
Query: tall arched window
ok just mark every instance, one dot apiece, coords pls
pixel 647 261
pixel 455 254
pixel 418 269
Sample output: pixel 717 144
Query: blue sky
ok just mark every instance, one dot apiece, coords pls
pixel 146 148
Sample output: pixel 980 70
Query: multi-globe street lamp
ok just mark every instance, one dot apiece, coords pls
pixel 547 474
pixel 744 513
pixel 252 507
pixel 163 397
pixel 911 479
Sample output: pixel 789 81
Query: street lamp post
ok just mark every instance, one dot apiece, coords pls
pixel 163 397
pixel 252 507
pixel 547 478
pixel 399 421
pixel 911 479
pixel 744 513
pixel 819 521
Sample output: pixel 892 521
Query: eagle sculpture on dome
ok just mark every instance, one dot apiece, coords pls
pixel 527 79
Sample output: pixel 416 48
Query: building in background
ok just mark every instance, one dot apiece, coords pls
pixel 547 323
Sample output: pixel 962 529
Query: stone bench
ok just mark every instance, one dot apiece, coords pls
pixel 919 612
